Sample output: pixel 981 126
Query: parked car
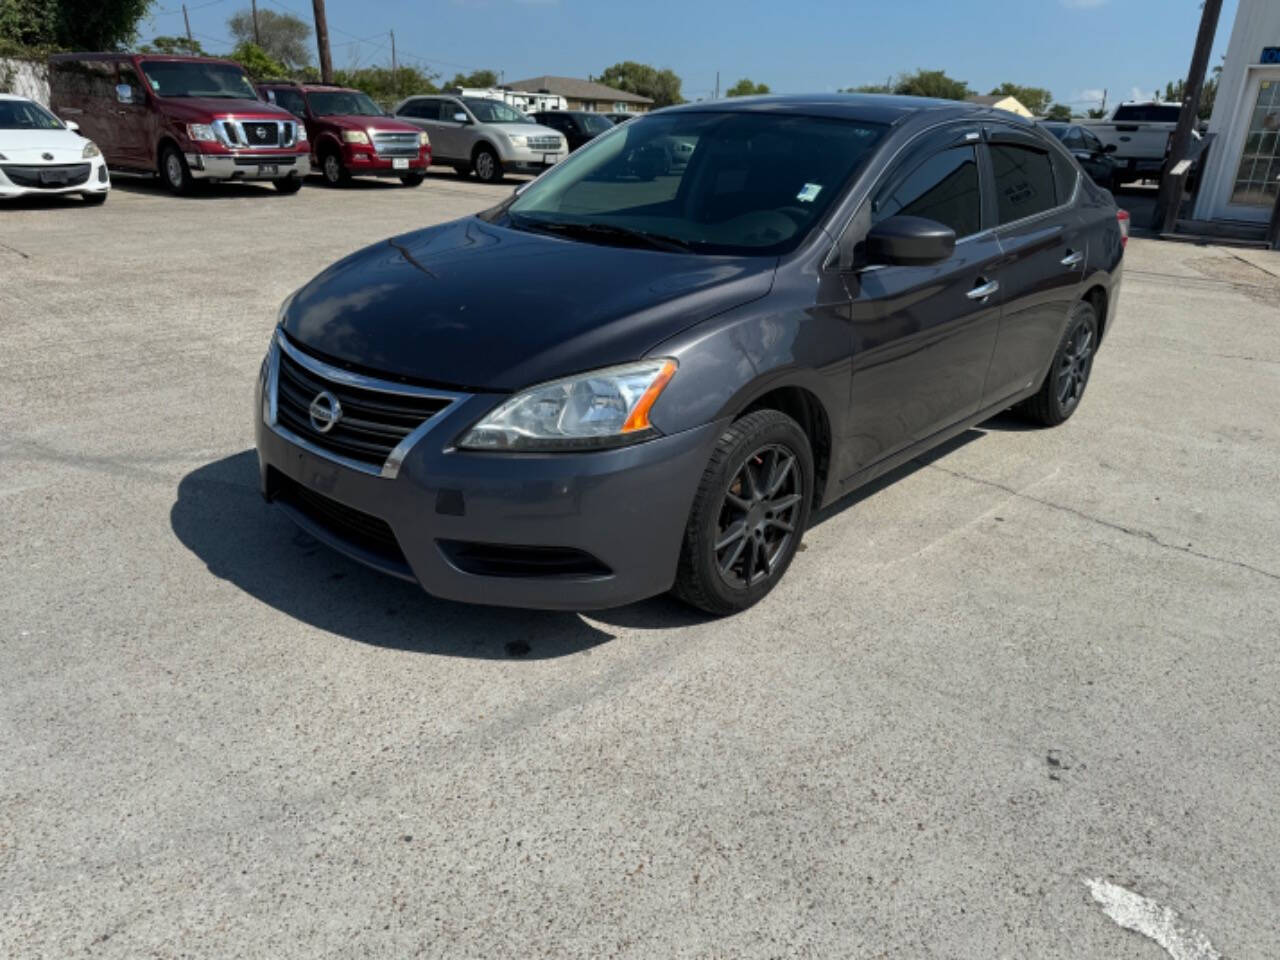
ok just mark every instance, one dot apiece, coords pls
pixel 350 135
pixel 595 390
pixel 1093 155
pixel 1141 132
pixel 578 126
pixel 182 118
pixel 39 154
pixel 487 136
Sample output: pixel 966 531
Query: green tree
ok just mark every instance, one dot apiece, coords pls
pixel 71 24
pixel 281 36
pixel 870 88
pixel 388 88
pixel 1035 99
pixel 1059 111
pixel 478 78
pixel 662 86
pixel 931 83
pixel 746 88
pixel 257 63
pixel 174 45
pixel 1176 92
pixel 1095 113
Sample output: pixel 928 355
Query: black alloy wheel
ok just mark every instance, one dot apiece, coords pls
pixel 749 514
pixel 1063 388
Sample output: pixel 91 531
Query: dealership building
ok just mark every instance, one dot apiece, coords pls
pixel 1242 173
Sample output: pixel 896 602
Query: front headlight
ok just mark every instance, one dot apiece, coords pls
pixel 201 131
pixel 355 136
pixel 301 135
pixel 604 408
pixel 90 150
pixel 519 140
pixel 424 140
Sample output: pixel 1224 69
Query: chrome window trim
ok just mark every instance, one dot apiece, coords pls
pixel 390 468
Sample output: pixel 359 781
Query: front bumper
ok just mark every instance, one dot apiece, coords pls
pixel 248 166
pixel 98 181
pixel 625 508
pixel 524 160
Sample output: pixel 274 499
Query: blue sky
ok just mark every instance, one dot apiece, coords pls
pixel 1076 48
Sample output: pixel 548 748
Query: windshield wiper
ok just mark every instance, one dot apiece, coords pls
pixel 605 231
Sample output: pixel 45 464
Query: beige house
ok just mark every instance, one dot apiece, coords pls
pixel 584 94
pixel 1012 104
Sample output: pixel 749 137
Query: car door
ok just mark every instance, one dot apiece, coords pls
pixel 134 139
pixel 1042 240
pixel 923 335
pixel 424 112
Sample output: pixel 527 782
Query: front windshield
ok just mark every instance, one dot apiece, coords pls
pixel 25 115
pixel 494 111
pixel 191 78
pixel 594 124
pixel 344 103
pixel 710 182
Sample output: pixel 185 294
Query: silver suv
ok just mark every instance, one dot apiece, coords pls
pixel 487 136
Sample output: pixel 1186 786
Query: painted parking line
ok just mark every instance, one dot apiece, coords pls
pixel 1161 924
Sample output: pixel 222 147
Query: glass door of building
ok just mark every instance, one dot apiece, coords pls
pixel 1256 176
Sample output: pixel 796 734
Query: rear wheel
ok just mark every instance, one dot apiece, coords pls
pixel 488 166
pixel 288 184
pixel 412 179
pixel 173 170
pixel 332 169
pixel 1064 384
pixel 748 515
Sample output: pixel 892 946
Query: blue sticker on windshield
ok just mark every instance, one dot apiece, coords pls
pixel 809 192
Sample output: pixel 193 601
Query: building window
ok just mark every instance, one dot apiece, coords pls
pixel 1258 176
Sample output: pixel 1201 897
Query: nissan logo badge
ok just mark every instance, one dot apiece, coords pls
pixel 325 411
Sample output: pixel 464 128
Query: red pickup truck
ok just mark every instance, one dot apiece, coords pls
pixel 183 118
pixel 351 135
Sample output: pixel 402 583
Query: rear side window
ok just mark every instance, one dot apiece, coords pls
pixel 1147 113
pixel 422 109
pixel 1024 181
pixel 943 188
pixel 291 100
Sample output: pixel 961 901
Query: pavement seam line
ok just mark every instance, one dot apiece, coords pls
pixel 1131 531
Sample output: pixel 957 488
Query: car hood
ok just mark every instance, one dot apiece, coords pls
pixel 30 146
pixel 523 129
pixel 202 109
pixel 376 124
pixel 476 306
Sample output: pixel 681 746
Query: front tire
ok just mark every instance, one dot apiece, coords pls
pixel 748 515
pixel 174 171
pixel 332 169
pixel 1063 388
pixel 288 184
pixel 413 179
pixel 487 165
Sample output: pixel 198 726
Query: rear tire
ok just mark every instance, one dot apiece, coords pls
pixel 174 171
pixel 749 514
pixel 1063 388
pixel 487 165
pixel 413 179
pixel 288 184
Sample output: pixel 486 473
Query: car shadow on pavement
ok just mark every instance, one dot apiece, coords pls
pixel 154 187
pixel 220 516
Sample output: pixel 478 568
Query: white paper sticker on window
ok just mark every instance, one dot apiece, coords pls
pixel 809 192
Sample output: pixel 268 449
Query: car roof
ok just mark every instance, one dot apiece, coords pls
pixel 13 96
pixel 309 87
pixel 869 107
pixel 126 57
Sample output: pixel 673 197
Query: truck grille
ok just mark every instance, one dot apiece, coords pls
pixel 258 133
pixel 261 134
pixel 550 144
pixel 376 416
pixel 46 177
pixel 396 144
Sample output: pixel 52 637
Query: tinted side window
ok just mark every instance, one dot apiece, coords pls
pixel 1091 142
pixel 292 101
pixel 1024 181
pixel 422 109
pixel 943 188
pixel 1074 139
pixel 1147 113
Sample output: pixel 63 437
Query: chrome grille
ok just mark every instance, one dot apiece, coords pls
pixel 255 134
pixel 550 144
pixel 380 420
pixel 396 144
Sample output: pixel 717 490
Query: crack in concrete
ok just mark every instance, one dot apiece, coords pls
pixel 1237 356
pixel 23 254
pixel 1118 527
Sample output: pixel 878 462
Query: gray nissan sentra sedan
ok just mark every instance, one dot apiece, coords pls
pixel 626 379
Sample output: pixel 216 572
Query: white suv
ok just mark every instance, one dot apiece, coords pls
pixel 487 136
pixel 39 154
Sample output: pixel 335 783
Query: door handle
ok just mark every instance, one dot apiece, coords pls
pixel 984 289
pixel 1073 259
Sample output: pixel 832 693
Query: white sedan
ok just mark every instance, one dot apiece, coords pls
pixel 39 154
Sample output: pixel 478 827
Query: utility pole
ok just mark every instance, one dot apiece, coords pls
pixel 190 39
pixel 1170 198
pixel 717 96
pixel 395 79
pixel 1104 103
pixel 322 41
pixel 257 36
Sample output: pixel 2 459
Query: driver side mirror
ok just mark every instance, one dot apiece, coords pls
pixel 71 125
pixel 909 241
pixel 124 93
